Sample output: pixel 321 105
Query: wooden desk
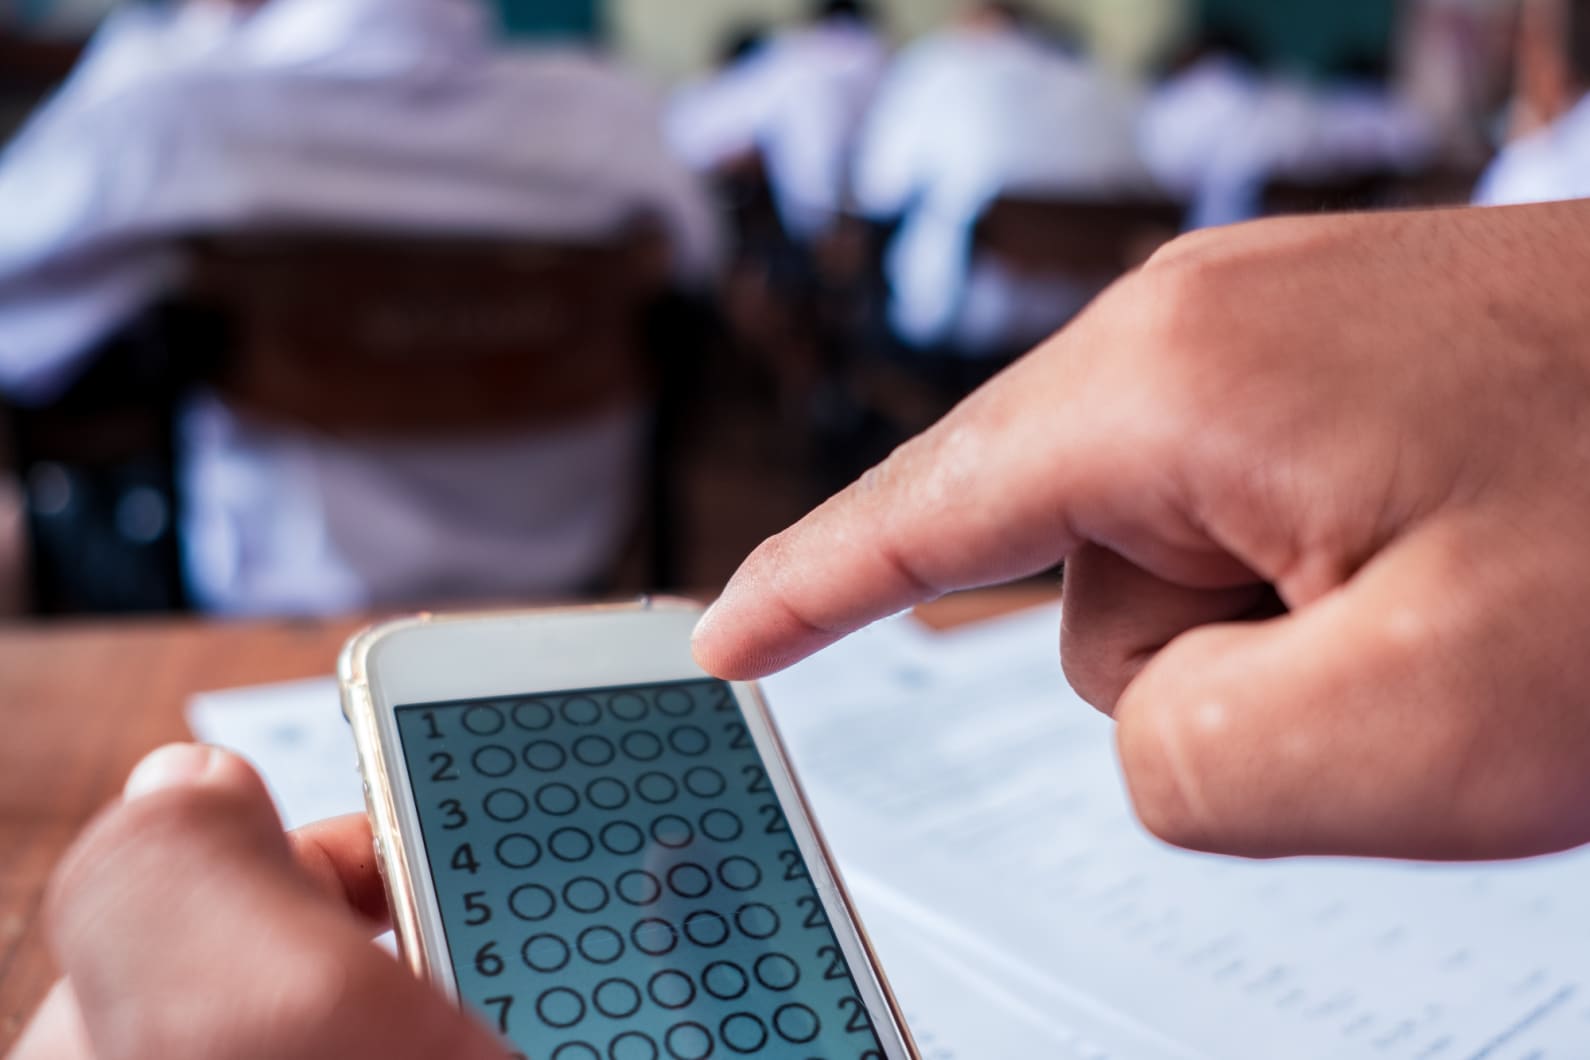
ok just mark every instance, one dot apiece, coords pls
pixel 83 702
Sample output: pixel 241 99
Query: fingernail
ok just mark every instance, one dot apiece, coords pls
pixel 171 766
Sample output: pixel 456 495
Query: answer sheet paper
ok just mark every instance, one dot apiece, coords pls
pixel 970 793
pixel 976 810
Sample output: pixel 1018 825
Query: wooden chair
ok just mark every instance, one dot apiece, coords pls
pixel 1088 241
pixel 378 336
pixel 375 335
pixel 1387 189
pixel 1345 194
pixel 1448 184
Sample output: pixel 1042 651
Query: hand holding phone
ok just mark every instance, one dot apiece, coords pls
pixel 602 850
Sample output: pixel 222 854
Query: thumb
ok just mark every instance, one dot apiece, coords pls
pixel 1408 713
pixel 186 929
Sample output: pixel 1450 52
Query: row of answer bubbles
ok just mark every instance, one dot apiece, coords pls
pixel 495 760
pixel 581 711
pixel 653 936
pixel 740 1032
pixel 606 793
pixel 637 887
pixel 548 953
pixel 569 844
pixel 509 805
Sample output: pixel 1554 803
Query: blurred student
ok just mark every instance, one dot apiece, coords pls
pixel 1550 160
pixel 1220 128
pixel 988 106
pixel 383 115
pixel 1456 64
pixel 797 100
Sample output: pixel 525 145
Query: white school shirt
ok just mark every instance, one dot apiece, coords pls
pixel 799 101
pixel 1549 165
pixel 961 119
pixel 1218 133
pixel 395 115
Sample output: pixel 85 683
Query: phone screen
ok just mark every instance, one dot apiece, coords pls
pixel 617 880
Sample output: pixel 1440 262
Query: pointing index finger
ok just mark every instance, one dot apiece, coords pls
pixel 975 500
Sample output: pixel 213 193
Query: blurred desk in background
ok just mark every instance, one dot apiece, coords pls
pixel 85 701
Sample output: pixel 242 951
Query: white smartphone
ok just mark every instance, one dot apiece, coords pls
pixel 601 849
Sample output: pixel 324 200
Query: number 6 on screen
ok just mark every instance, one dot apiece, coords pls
pixel 601 850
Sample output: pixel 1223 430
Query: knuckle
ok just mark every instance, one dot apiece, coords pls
pixel 1185 247
pixel 1091 672
pixel 1166 757
pixel 904 483
pixel 1096 652
pixel 1200 283
pixel 934 472
pixel 1181 291
pixel 899 470
pixel 770 554
pixel 1184 348
pixel 1202 347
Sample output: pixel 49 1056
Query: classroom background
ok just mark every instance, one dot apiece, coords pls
pixel 374 306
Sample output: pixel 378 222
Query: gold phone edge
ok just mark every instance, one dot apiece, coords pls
pixel 391 852
pixel 751 691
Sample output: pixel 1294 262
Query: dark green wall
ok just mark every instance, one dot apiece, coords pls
pixel 1312 35
pixel 556 19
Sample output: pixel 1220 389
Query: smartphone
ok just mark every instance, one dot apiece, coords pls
pixel 602 850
